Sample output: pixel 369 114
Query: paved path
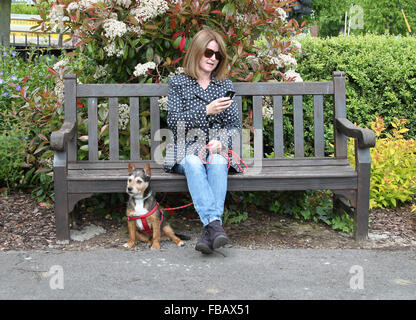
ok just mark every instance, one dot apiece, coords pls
pixel 183 273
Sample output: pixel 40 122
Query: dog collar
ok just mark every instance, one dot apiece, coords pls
pixel 143 198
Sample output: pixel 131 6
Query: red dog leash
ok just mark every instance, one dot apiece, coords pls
pixel 227 154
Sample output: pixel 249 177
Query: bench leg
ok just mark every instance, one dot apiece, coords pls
pixel 61 206
pixel 363 194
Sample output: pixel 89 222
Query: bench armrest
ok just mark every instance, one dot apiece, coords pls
pixel 62 136
pixel 366 137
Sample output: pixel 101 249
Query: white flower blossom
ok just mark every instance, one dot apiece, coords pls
pixel 267 108
pixel 150 9
pixel 141 69
pixel 297 46
pixel 85 4
pixel 240 20
pixel 292 73
pixel 112 51
pixel 60 65
pixel 135 29
pixel 124 3
pixel 287 60
pixel 114 28
pixel 123 116
pixel 72 6
pixel 179 70
pixel 59 89
pixel 276 61
pixel 56 15
pixel 281 14
pixel 163 103
pixel 100 72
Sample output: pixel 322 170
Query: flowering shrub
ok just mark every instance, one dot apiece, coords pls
pixel 393 165
pixel 123 36
pixel 29 111
pixel 121 41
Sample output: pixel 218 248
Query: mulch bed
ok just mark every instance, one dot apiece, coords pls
pixel 26 225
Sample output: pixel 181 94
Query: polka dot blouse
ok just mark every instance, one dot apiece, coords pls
pixel 192 129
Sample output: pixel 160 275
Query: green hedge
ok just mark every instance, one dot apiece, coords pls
pixel 380 74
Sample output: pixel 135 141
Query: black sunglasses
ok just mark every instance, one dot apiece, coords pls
pixel 209 53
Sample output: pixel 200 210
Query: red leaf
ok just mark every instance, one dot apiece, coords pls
pixel 173 23
pixel 177 34
pixel 25 79
pixel 182 44
pixel 42 136
pixel 176 61
pixel 79 103
pixel 51 71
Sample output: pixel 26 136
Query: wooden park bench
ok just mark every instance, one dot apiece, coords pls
pixel 75 180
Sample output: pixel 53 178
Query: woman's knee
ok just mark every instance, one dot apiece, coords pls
pixel 218 159
pixel 192 162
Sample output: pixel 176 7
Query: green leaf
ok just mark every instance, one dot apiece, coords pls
pixel 149 54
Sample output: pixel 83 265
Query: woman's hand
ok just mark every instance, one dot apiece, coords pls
pixel 215 146
pixel 218 105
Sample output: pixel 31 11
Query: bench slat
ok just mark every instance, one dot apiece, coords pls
pixel 265 173
pixel 134 128
pixel 242 88
pixel 70 84
pixel 278 126
pixel 318 107
pixel 239 101
pixel 286 162
pixel 258 126
pixel 298 126
pixel 234 184
pixel 339 112
pixel 154 126
pixel 92 129
pixel 113 128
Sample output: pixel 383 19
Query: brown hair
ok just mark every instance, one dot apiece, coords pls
pixel 197 48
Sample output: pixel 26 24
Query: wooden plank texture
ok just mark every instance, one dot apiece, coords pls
pixel 258 126
pixel 318 110
pixel 298 126
pixel 241 88
pixel 278 126
pixel 134 128
pixel 154 127
pixel 113 128
pixel 92 129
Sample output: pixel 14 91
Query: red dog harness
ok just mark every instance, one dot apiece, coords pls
pixel 143 217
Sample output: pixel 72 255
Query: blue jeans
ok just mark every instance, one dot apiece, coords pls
pixel 207 184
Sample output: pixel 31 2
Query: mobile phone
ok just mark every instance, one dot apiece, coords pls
pixel 230 94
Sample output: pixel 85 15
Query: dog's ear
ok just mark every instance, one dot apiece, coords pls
pixel 147 170
pixel 131 167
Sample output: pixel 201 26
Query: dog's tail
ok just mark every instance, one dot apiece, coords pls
pixel 182 236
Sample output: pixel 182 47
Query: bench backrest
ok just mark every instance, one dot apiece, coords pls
pixel 318 90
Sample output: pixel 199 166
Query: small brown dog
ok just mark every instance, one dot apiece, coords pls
pixel 143 216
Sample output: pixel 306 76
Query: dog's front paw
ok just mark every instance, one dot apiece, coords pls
pixel 155 246
pixel 128 245
pixel 180 244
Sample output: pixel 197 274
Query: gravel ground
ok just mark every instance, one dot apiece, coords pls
pixel 26 224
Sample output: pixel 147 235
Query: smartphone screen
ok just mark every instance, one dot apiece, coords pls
pixel 230 94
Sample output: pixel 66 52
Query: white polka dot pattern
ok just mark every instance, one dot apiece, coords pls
pixel 191 127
